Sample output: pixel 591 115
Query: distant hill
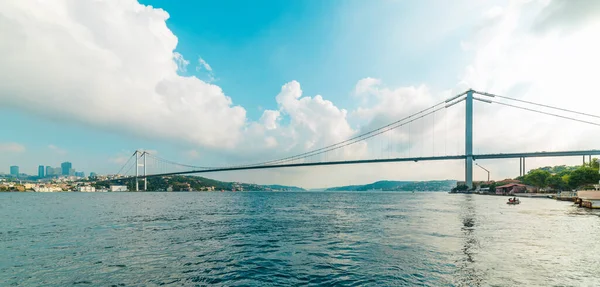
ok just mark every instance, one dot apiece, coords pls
pixel 198 183
pixel 284 187
pixel 387 185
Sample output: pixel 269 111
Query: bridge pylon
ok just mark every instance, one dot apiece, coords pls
pixel 469 139
pixel 139 154
pixel 137 159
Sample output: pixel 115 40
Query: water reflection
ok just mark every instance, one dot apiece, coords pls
pixel 468 273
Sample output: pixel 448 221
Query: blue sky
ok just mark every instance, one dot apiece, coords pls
pixel 256 47
pixel 73 103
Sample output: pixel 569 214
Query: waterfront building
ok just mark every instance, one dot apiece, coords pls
pixel 513 188
pixel 41 172
pixel 66 168
pixel 14 171
pixel 86 188
pixel 115 188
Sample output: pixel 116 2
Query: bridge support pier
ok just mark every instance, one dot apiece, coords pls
pixel 137 186
pixel 520 166
pixel 145 178
pixel 469 140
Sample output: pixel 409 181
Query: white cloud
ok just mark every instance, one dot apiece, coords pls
pixel 366 85
pixel 310 123
pixel 181 62
pixel 313 121
pixel 57 150
pixel 111 65
pixel 270 142
pixel 204 65
pixel 12 147
pixel 269 119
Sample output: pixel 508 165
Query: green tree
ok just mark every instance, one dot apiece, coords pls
pixel 594 164
pixel 461 187
pixel 556 182
pixel 537 177
pixel 583 176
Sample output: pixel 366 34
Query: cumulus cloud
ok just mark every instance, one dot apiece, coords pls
pixel 111 65
pixel 269 119
pixel 301 123
pixel 314 121
pixel 366 85
pixel 12 147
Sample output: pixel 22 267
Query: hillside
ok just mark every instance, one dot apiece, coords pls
pixel 197 183
pixel 385 185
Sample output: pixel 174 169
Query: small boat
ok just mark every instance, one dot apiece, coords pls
pixel 511 201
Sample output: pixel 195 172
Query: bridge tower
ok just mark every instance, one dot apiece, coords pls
pixel 469 139
pixel 139 154
pixel 137 165
pixel 145 178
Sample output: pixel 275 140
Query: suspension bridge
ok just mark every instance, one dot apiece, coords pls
pixel 393 139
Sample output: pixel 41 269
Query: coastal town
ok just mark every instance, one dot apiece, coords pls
pixel 66 179
pixel 578 184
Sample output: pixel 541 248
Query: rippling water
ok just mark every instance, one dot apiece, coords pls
pixel 287 239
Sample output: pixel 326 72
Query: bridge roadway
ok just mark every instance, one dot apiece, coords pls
pixel 415 159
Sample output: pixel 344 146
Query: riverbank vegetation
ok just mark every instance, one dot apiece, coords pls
pixel 558 178
pixel 550 178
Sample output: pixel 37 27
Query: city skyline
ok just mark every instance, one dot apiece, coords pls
pixel 65 169
pixel 288 77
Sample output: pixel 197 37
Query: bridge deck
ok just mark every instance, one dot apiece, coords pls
pixel 415 159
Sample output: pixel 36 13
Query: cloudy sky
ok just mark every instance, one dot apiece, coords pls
pixel 216 83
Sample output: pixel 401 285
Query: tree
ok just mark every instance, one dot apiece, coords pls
pixel 556 182
pixel 583 176
pixel 461 187
pixel 594 164
pixel 537 177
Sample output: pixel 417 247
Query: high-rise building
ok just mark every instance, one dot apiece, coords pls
pixel 79 174
pixel 41 172
pixel 14 171
pixel 49 171
pixel 66 168
pixel 93 175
